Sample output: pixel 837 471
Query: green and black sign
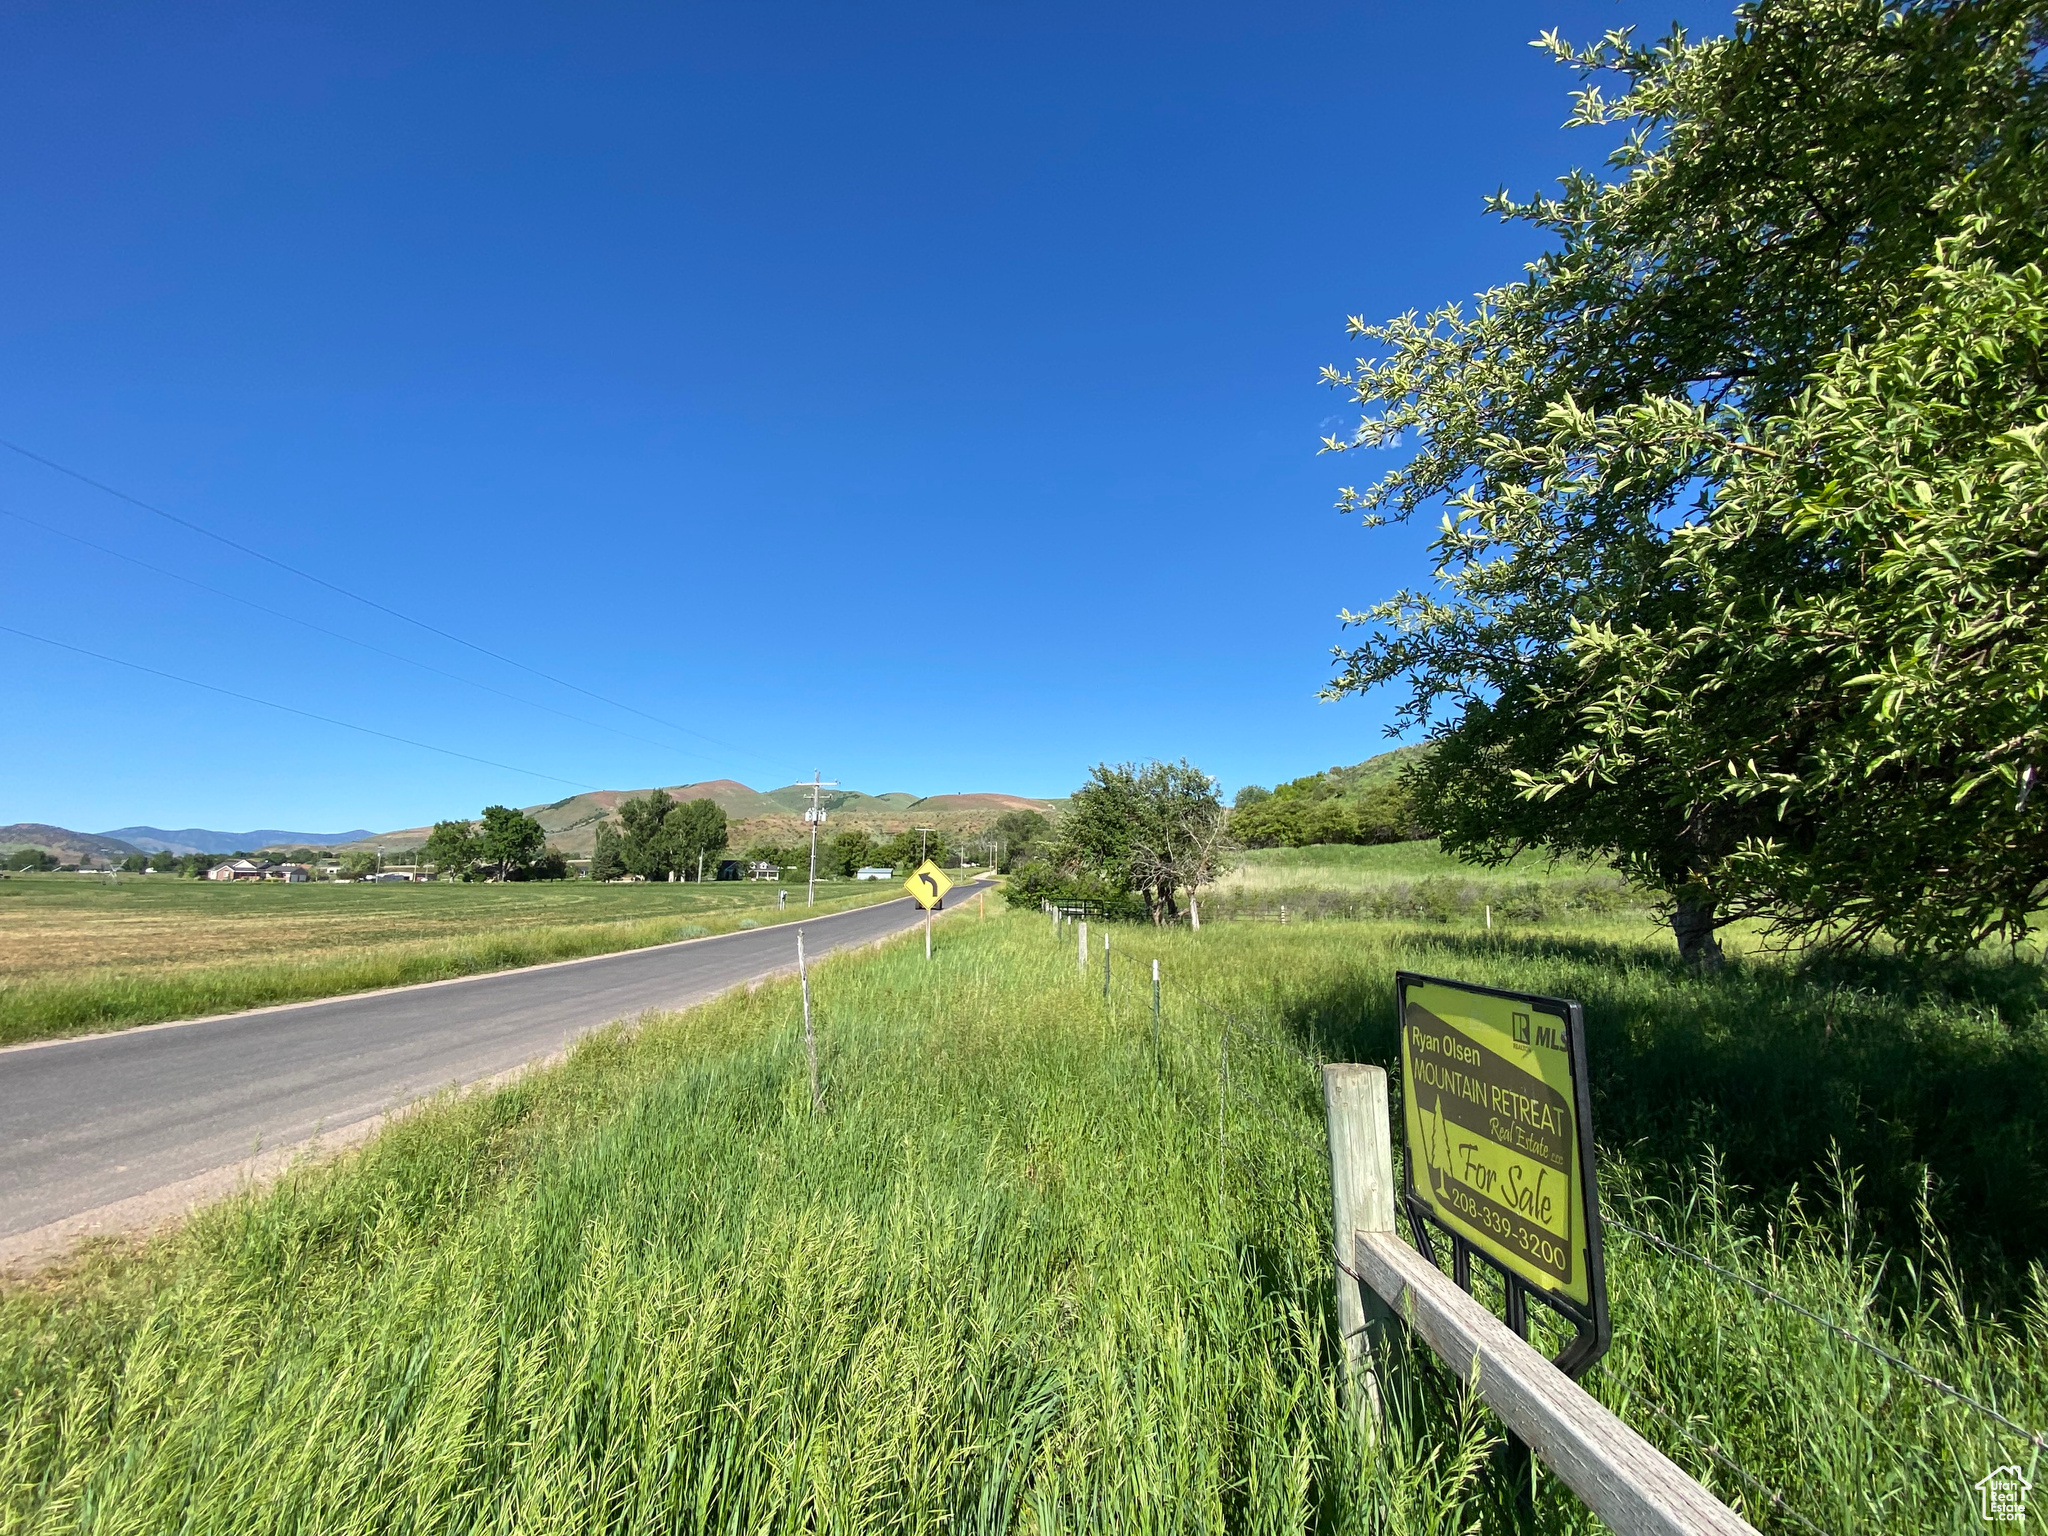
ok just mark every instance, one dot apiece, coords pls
pixel 1499 1137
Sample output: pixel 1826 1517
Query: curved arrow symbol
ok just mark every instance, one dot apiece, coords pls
pixel 929 884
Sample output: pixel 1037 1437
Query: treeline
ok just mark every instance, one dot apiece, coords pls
pixel 658 836
pixel 843 854
pixel 1011 837
pixel 1331 807
pixel 33 860
pixel 503 845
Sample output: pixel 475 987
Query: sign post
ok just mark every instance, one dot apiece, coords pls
pixel 1499 1135
pixel 928 886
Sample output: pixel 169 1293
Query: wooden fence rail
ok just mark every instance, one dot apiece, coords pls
pixel 1622 1478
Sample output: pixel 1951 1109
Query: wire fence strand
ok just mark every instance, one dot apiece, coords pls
pixel 2038 1441
pixel 1721 1458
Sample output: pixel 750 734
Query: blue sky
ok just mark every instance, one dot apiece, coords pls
pixel 927 395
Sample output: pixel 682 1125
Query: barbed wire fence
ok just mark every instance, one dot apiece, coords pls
pixel 1192 1035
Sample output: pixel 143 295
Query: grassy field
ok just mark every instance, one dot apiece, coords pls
pixel 1417 882
pixel 1347 866
pixel 1014 1279
pixel 80 954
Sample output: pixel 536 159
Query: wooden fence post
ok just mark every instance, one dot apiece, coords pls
pixel 1622 1478
pixel 1361 1200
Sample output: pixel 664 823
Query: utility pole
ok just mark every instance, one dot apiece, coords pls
pixel 921 833
pixel 816 817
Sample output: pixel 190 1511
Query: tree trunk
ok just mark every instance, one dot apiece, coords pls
pixel 1692 924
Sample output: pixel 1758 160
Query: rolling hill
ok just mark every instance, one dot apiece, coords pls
pixel 69 847
pixel 774 815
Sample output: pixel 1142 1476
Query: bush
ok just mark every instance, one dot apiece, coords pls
pixel 1594 896
pixel 1441 898
pixel 1037 882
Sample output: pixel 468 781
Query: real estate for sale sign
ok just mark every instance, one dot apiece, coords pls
pixel 1498 1131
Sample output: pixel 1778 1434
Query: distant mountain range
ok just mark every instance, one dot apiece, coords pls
pixel 775 814
pixel 205 840
pixel 112 847
pixel 571 823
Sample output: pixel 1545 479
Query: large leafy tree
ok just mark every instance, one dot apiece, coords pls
pixel 659 834
pixel 452 849
pixel 1154 829
pixel 694 830
pixel 642 847
pixel 1871 667
pixel 607 858
pixel 510 840
pixel 1778 196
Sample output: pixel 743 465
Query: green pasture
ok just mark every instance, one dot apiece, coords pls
pixel 1337 865
pixel 1418 882
pixel 81 953
pixel 1019 1276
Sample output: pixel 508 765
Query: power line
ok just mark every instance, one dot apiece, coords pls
pixel 257 554
pixel 291 709
pixel 333 634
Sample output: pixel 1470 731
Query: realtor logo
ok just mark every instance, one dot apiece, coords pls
pixel 2002 1494
pixel 1521 1023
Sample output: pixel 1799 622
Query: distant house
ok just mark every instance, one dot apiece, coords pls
pixel 239 869
pixel 294 874
pixel 873 872
pixel 761 869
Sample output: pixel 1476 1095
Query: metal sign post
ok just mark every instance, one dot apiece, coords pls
pixel 1499 1132
pixel 928 886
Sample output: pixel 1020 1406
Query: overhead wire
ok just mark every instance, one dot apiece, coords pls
pixel 291 709
pixel 335 634
pixel 368 602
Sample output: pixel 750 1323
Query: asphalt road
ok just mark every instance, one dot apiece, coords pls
pixel 90 1122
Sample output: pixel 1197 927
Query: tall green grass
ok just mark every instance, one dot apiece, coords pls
pixel 1020 1276
pixel 650 1291
pixel 1868 1140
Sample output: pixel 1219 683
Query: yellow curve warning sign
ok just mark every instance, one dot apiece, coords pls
pixel 928 885
pixel 1495 1121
